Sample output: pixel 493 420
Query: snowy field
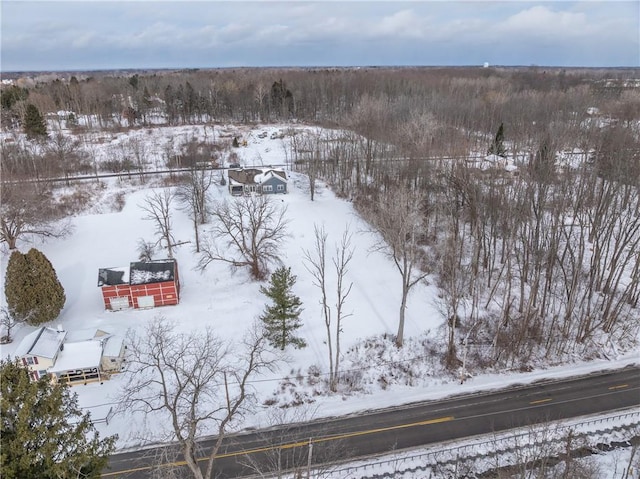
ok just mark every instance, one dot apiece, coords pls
pixel 229 301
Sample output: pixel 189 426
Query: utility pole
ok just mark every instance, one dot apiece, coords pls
pixel 309 459
pixel 463 370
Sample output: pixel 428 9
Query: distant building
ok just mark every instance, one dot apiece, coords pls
pixel 266 181
pixel 140 285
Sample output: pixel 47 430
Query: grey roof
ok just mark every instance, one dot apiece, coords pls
pixel 44 342
pixel 113 276
pixel 244 176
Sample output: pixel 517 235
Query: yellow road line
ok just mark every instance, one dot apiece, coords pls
pixel 540 401
pixel 620 386
pixel 292 444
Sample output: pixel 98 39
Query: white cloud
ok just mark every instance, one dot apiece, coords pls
pixel 404 23
pixel 542 21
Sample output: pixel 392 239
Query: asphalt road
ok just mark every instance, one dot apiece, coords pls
pixel 406 426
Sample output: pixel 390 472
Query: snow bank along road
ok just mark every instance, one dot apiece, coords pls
pixel 411 425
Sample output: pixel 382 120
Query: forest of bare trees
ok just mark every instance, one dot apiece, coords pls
pixel 539 261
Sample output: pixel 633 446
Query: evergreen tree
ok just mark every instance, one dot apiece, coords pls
pixel 72 120
pixel 497 146
pixel 16 284
pixel 34 125
pixel 282 318
pixel 281 99
pixel 10 96
pixel 134 81
pixel 32 288
pixel 44 434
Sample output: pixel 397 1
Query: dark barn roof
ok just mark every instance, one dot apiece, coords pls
pixel 139 273
pixel 112 276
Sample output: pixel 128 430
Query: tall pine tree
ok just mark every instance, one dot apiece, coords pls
pixel 282 318
pixel 17 282
pixel 34 125
pixel 32 288
pixel 44 434
pixel 497 146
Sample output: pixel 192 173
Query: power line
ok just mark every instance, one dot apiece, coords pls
pixel 301 376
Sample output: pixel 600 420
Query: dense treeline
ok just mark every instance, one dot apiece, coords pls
pixel 473 99
pixel 541 260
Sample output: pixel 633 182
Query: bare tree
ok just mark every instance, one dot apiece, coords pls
pixel 25 210
pixel 286 454
pixel 21 159
pixel 9 320
pixel 193 196
pixel 397 215
pixel 453 285
pixel 306 150
pixel 344 254
pixel 138 151
pixel 253 228
pixel 316 264
pixel 158 205
pixel 195 382
pixel 66 154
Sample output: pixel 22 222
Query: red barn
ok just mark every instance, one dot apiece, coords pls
pixel 140 285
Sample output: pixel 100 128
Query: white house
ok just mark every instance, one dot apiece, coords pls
pixel 39 350
pixel 75 357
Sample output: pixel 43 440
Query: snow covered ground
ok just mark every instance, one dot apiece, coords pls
pixel 512 448
pixel 230 301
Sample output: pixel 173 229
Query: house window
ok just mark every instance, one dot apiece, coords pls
pixel 30 361
pixel 279 187
pixel 42 373
pixel 267 188
pixel 112 360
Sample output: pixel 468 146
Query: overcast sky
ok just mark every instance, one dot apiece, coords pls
pixel 88 35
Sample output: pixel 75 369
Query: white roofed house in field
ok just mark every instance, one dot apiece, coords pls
pixel 77 357
pixel 267 181
pixel 39 350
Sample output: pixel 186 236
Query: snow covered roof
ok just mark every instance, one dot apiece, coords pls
pixel 113 276
pixel 44 342
pixel 86 335
pixel 243 176
pixel 152 271
pixel 265 175
pixel 79 355
pixel 254 176
pixel 112 346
